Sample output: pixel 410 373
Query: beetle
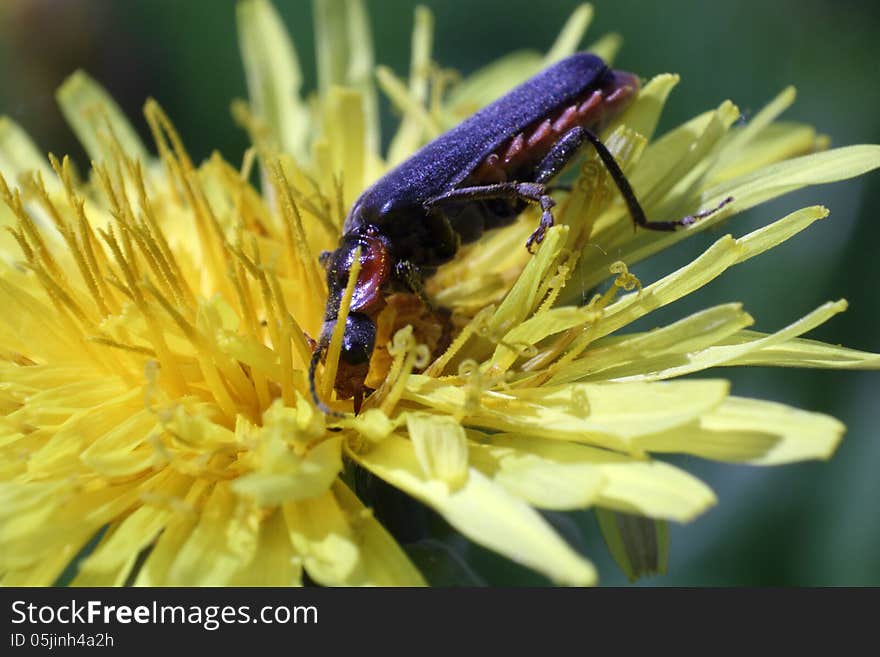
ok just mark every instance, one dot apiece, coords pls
pixel 479 175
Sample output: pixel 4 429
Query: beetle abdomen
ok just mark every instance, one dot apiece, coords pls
pixel 517 157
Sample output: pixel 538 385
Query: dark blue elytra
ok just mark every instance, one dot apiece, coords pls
pixel 446 162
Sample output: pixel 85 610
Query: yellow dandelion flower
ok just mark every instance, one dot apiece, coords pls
pixel 157 424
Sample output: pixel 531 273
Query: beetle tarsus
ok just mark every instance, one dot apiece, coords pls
pixel 689 220
pixel 702 214
pixel 546 223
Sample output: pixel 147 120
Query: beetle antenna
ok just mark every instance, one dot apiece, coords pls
pixel 313 368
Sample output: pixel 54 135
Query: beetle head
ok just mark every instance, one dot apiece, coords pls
pixel 375 270
pixel 359 334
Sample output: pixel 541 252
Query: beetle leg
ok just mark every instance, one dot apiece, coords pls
pixel 443 238
pixel 410 275
pixel 564 149
pixel 632 203
pixel 535 192
pixel 560 155
pixel 527 191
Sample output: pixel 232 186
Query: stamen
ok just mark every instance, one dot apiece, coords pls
pixel 334 348
pixel 406 352
pixel 299 254
pixel 29 230
pixel 83 253
pixel 477 326
pixel 469 370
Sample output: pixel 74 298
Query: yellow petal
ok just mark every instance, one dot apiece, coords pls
pixel 524 297
pixel 776 142
pixel 742 137
pixel 765 238
pixel 782 177
pixel 536 328
pixel 344 130
pixel 220 545
pixel 40 519
pixel 541 482
pixel 344 52
pixel 23 509
pixel 493 80
pixel 616 236
pixel 483 512
pixel 124 542
pixel 124 450
pixel 485 270
pixel 752 431
pixel 800 352
pixel 723 254
pixel 643 487
pixel 676 161
pixel 47 570
pixel 440 446
pixel 94 116
pixel 19 154
pixel 321 534
pixel 644 114
pixel 28 315
pixel 416 120
pixel 667 181
pixel 373 424
pixel 607 47
pixel 273 75
pixel 571 34
pixel 619 357
pixel 685 361
pixel 156 567
pixel 274 561
pixel 604 414
pixel 74 415
pixel 283 476
pixel 385 563
pixel 116 554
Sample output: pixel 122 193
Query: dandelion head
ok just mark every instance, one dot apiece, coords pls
pixel 161 319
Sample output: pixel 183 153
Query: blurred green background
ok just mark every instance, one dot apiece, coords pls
pixel 805 524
